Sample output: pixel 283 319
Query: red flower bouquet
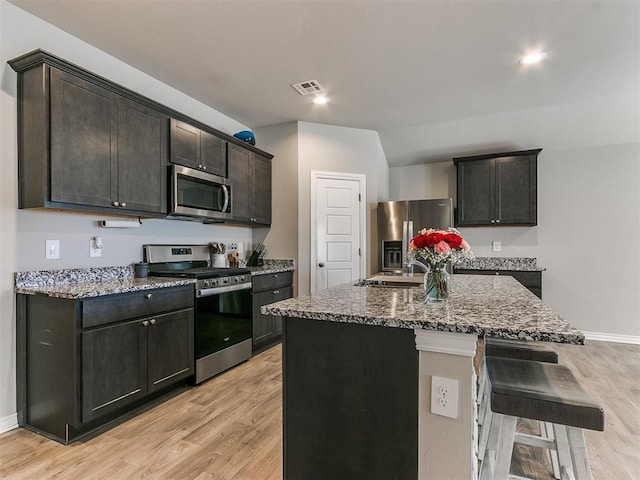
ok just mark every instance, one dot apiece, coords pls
pixel 433 249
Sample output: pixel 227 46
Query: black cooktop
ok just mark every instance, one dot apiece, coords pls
pixel 201 272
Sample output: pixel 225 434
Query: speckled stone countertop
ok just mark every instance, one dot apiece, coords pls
pixel 521 264
pixel 482 305
pixel 80 283
pixel 273 266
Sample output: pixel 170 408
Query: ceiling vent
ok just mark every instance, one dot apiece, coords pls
pixel 308 88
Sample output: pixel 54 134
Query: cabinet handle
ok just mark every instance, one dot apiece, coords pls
pixel 145 323
pixel 115 204
pixel 148 295
pixel 275 292
pixel 321 264
pixel 123 204
pixel 199 166
pixel 498 221
pixel 204 167
pixel 152 321
pixel 275 275
pixel 497 273
pixel 493 221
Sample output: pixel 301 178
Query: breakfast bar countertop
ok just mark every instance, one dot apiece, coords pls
pixel 482 305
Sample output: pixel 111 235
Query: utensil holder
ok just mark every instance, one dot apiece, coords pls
pixel 218 260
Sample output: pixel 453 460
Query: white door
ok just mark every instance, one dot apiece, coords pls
pixel 339 226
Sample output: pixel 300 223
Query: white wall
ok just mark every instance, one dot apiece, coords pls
pixel 23 232
pixel 281 240
pixel 588 203
pixel 337 149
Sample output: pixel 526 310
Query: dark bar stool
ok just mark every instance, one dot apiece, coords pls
pixel 522 350
pixel 540 391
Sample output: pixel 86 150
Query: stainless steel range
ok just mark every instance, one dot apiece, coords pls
pixel 222 306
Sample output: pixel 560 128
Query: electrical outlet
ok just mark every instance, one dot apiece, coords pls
pixel 52 249
pixel 95 247
pixel 444 396
pixel 497 246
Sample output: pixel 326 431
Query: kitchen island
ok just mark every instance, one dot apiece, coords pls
pixel 358 362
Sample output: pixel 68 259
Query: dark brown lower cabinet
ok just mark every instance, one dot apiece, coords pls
pixel 266 289
pixel 530 279
pixel 84 363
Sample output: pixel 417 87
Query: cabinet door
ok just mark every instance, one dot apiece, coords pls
pixel 476 192
pixel 114 368
pixel 83 142
pixel 142 158
pixel 263 327
pixel 185 144
pixel 213 154
pixel 239 167
pixel 171 357
pixel 516 190
pixel 261 189
pixel 282 294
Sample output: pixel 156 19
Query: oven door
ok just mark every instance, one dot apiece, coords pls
pixel 199 194
pixel 222 320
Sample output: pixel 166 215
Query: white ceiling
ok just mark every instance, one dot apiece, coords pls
pixel 386 65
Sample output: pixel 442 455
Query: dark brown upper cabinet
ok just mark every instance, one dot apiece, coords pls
pixel 196 148
pixel 86 143
pixel 107 152
pixel 250 174
pixel 497 189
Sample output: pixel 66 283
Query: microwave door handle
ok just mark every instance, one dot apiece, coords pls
pixel 226 198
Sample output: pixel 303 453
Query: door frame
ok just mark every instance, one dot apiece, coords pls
pixel 313 257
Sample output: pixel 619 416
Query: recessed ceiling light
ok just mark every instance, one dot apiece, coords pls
pixel 532 58
pixel 320 100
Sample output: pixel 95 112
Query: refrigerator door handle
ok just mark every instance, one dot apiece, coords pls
pixel 405 242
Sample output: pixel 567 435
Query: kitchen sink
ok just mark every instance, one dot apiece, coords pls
pixel 389 283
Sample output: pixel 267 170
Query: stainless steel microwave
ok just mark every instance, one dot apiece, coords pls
pixel 198 194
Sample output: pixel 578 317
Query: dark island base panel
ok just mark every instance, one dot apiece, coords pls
pixel 368 430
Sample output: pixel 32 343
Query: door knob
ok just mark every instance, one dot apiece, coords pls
pixel 321 264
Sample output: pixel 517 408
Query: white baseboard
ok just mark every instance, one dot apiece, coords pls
pixel 9 422
pixel 612 337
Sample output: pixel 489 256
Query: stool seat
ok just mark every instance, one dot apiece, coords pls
pixel 541 391
pixel 521 349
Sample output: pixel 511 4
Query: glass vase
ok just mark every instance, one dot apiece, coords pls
pixel 436 284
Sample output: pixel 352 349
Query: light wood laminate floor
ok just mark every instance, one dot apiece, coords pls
pixel 230 428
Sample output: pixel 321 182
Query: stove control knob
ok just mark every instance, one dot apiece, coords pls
pixel 237 279
pixel 225 280
pixel 207 283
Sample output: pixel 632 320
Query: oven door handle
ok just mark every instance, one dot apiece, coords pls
pixel 206 292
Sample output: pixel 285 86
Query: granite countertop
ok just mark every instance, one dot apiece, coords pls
pixel 273 266
pixel 514 264
pixel 89 282
pixel 482 305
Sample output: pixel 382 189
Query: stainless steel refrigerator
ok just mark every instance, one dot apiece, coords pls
pixel 400 221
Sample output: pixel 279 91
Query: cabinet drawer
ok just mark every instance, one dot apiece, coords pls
pixel 270 281
pixel 114 308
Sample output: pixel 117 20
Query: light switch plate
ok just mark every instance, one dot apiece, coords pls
pixel 497 246
pixel 52 249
